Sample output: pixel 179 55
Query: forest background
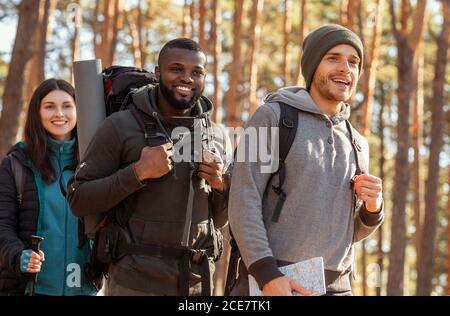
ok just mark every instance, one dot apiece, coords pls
pixel 402 105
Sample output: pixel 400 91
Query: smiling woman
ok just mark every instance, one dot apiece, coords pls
pixel 58 114
pixel 46 160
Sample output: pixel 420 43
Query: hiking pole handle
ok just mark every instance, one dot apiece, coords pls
pixel 36 247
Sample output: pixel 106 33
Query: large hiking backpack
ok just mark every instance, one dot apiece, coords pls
pixel 119 82
pixel 288 125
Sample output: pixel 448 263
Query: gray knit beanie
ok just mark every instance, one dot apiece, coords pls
pixel 320 41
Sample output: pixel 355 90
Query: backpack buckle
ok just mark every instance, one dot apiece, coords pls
pixel 357 145
pixel 288 123
pixel 197 255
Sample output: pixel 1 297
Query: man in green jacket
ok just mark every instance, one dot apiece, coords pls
pixel 167 244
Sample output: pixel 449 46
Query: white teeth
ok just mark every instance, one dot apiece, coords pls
pixel 59 122
pixel 341 81
pixel 183 88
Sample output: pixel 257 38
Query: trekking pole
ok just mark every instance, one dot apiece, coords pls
pixel 35 246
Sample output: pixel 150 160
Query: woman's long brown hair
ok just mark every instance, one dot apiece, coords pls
pixel 35 135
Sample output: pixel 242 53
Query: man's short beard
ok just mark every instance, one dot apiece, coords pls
pixel 169 95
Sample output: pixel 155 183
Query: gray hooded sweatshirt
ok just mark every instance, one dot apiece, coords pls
pixel 317 219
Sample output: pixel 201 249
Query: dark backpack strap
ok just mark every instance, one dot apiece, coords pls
pixel 361 166
pixel 288 125
pixel 61 184
pixel 233 265
pixel 19 178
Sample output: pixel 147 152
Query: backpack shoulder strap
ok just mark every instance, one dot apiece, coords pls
pixel 288 126
pixel 19 177
pixel 361 166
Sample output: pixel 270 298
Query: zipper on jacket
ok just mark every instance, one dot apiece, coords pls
pixel 65 225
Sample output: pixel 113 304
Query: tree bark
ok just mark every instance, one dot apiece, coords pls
pixel 370 71
pixel 447 286
pixel 192 17
pixel 75 42
pixel 116 26
pixel 301 37
pixel 135 38
pixel 287 26
pixel 254 43
pixel 426 261
pixel 185 19
pixel 37 63
pixel 234 114
pixel 20 56
pixel 216 26
pixel 417 130
pixel 201 25
pixel 382 161
pixel 406 45
pixel 349 13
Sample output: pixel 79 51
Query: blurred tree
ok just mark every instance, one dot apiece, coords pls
pixel 13 98
pixel 426 260
pixel 417 142
pixel 201 24
pixel 43 32
pixel 106 32
pixel 233 110
pixel 216 37
pixel 407 42
pixel 254 44
pixel 287 26
pixel 301 36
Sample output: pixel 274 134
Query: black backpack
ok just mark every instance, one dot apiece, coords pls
pixel 288 125
pixel 119 82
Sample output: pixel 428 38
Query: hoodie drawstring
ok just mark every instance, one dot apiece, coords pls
pixel 156 116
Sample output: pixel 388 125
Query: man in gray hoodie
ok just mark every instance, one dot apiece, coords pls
pixel 323 214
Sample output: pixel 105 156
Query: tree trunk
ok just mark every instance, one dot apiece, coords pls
pixel 108 11
pixel 135 38
pixel 144 30
pixel 349 13
pixel 185 19
pixel 192 17
pixel 20 56
pixel 254 43
pixel 381 167
pixel 370 71
pixel 75 42
pixel 106 45
pixel 201 25
pixel 301 36
pixel 447 286
pixel 95 30
pixel 287 25
pixel 417 130
pixel 233 110
pixel 426 261
pixel 37 63
pixel 116 26
pixel 216 30
pixel 406 45
pixel 344 14
pixel 401 180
